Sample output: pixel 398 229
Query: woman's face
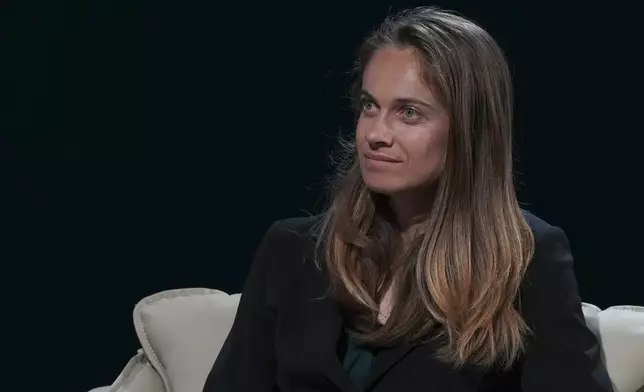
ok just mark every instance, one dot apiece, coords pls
pixel 402 131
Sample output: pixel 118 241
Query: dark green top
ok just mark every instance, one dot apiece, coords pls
pixel 357 361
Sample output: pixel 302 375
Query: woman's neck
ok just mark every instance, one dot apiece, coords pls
pixel 410 209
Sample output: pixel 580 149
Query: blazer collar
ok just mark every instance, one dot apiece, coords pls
pixel 385 360
pixel 326 327
pixel 328 330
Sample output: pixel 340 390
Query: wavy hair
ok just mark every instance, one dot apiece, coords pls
pixel 459 280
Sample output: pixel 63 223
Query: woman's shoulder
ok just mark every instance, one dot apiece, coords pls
pixel 300 226
pixel 289 248
pixel 292 237
pixel 549 240
pixel 552 259
pixel 539 227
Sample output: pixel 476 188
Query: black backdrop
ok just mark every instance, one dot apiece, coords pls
pixel 148 146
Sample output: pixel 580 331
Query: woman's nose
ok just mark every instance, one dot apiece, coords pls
pixel 379 134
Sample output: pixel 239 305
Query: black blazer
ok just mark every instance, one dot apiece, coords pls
pixel 284 339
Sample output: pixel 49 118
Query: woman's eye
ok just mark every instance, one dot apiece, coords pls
pixel 367 106
pixel 410 112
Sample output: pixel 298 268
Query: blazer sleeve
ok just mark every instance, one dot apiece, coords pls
pixel 563 354
pixel 246 362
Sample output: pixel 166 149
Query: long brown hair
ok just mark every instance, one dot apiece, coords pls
pixel 459 281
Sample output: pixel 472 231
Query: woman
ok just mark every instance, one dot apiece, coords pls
pixel 423 274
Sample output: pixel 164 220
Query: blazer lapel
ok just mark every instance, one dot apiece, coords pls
pixel 324 327
pixel 385 360
pixel 327 331
pixel 442 375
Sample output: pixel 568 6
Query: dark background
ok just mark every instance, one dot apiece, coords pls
pixel 147 146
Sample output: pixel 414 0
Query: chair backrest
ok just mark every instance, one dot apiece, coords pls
pixel 182 332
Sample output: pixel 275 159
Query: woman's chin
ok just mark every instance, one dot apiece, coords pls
pixel 384 187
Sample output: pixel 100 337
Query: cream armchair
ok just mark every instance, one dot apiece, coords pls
pixel 181 332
